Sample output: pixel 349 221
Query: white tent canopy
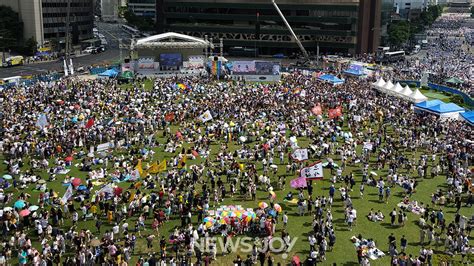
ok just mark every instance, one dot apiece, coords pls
pixel 397 89
pixel 406 91
pixel 388 86
pixel 379 83
pixel 417 97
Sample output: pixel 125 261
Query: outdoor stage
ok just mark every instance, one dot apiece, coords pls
pixel 168 54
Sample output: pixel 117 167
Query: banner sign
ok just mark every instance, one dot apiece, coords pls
pixel 300 155
pixel 206 116
pixel 368 146
pixel 67 194
pixel 105 146
pixel 146 63
pixel 314 171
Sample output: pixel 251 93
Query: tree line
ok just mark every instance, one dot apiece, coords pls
pixel 399 32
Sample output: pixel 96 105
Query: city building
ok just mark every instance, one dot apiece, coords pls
pixel 45 20
pixel 143 8
pixel 410 9
pixel 460 6
pixel 350 26
pixel 109 9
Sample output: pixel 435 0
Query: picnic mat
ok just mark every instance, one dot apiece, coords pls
pixel 411 207
pixel 372 253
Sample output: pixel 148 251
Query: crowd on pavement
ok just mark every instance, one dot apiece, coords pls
pixel 449 55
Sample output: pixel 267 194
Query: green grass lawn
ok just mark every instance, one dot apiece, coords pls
pixel 432 94
pixel 344 252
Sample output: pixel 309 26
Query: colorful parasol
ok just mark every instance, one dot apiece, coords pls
pixel 24 213
pixel 277 207
pixel 76 182
pixel 19 204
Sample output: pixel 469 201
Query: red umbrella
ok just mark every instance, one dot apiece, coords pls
pixel 24 213
pixel 118 191
pixel 169 117
pixel 68 159
pixel 296 260
pixel 76 182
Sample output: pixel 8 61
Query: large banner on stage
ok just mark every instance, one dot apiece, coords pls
pixel 267 68
pixel 243 68
pixel 146 63
pixel 194 62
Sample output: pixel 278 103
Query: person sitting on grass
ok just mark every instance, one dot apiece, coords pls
pixel 379 216
pixel 371 215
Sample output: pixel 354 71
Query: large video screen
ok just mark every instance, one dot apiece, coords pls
pixel 243 67
pixel 276 69
pixel 171 60
pixel 266 68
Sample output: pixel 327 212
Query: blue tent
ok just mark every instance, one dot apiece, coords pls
pixel 331 79
pixel 109 73
pixel 437 107
pixel 469 117
pixel 445 108
pixel 353 72
pixel 427 104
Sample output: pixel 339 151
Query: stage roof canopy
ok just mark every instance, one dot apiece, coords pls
pixel 170 40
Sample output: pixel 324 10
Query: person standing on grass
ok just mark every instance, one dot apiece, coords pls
pixel 393 216
pixel 149 241
pixel 359 254
pixel 387 193
pixel 400 218
pixel 380 193
pixel 403 243
pixel 422 236
pixel 350 220
pixel 98 224
pixel 312 242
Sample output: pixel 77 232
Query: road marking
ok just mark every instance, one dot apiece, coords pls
pixel 108 32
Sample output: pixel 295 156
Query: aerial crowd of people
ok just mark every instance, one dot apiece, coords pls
pixel 146 169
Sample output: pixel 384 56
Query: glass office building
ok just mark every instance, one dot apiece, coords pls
pixel 350 26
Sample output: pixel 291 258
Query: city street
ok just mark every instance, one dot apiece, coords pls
pixel 46 67
pixel 112 33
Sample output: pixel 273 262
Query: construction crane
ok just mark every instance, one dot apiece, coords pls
pixel 68 66
pixel 305 53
